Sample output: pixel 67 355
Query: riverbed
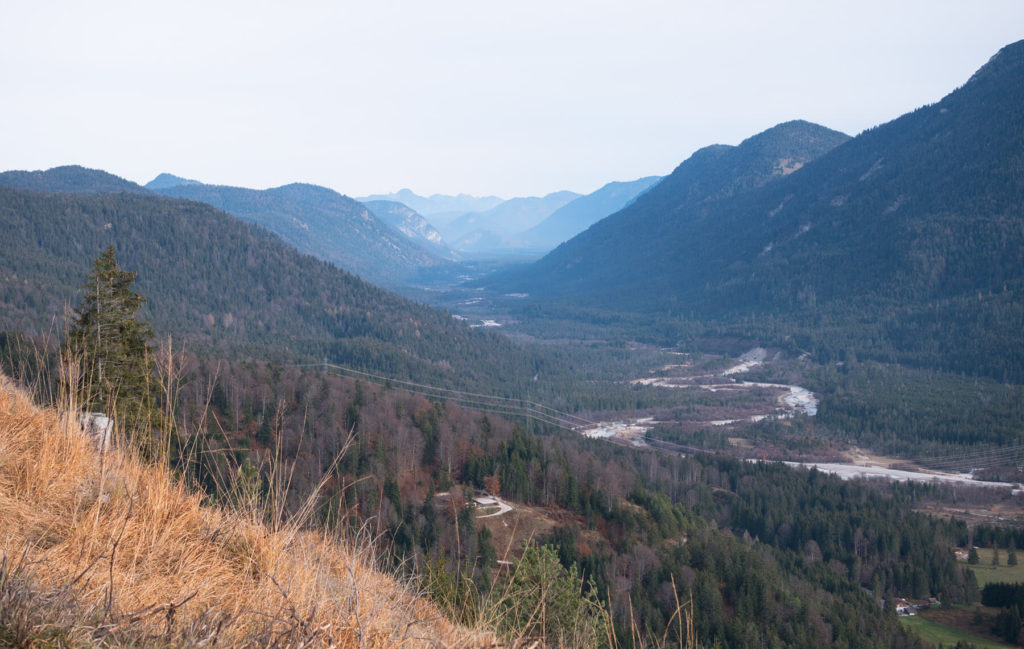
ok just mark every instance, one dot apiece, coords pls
pixel 850 471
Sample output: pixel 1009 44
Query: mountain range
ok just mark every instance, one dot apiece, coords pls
pixel 579 214
pixel 639 245
pixel 318 221
pixel 217 283
pixel 538 224
pixel 906 241
pixel 441 208
pixel 480 230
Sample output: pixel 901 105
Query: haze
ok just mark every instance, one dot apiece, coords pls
pixel 510 99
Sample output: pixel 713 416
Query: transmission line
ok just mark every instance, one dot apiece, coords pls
pixel 504 406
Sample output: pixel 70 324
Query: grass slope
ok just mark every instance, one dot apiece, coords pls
pixel 940 635
pixel 109 550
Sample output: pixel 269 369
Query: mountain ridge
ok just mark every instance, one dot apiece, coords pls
pixel 73 179
pixel 218 283
pixel 510 217
pixel 580 213
pixel 710 173
pixel 437 204
pixel 320 221
pixel 907 241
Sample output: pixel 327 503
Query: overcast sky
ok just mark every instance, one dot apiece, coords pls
pixel 511 98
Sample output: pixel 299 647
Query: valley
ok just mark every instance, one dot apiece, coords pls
pixel 783 384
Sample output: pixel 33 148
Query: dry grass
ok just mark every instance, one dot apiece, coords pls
pixel 102 549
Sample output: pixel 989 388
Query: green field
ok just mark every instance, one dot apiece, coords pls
pixel 940 635
pixel 987 573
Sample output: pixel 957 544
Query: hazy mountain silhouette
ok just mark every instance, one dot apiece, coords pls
pixel 323 223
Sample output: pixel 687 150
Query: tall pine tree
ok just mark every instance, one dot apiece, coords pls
pixel 112 344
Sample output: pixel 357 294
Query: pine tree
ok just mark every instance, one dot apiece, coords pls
pixel 111 343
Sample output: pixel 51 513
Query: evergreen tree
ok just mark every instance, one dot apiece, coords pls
pixel 546 600
pixel 111 343
pixel 972 556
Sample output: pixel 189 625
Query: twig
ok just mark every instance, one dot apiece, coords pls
pixel 113 551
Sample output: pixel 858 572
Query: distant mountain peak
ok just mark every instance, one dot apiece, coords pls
pixel 719 169
pixel 306 191
pixel 795 137
pixel 166 180
pixel 437 203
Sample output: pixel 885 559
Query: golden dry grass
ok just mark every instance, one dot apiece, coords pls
pixel 142 554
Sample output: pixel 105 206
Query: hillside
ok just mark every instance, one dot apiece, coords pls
pixel 119 553
pixel 319 222
pixel 645 527
pixel 578 215
pixel 410 223
pixel 220 283
pixel 71 179
pixel 759 547
pixel 905 242
pixel 615 255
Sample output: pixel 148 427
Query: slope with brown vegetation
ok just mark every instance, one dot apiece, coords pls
pixel 105 549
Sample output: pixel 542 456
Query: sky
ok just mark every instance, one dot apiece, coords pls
pixel 511 98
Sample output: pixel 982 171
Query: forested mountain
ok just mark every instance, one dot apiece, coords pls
pixel 320 222
pixel 578 215
pixel 616 253
pixel 218 282
pixel 907 242
pixel 505 220
pixel 72 179
pixel 412 225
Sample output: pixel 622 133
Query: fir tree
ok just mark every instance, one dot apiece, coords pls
pixel 111 343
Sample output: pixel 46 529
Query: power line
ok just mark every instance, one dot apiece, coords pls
pixel 504 406
pixel 527 409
